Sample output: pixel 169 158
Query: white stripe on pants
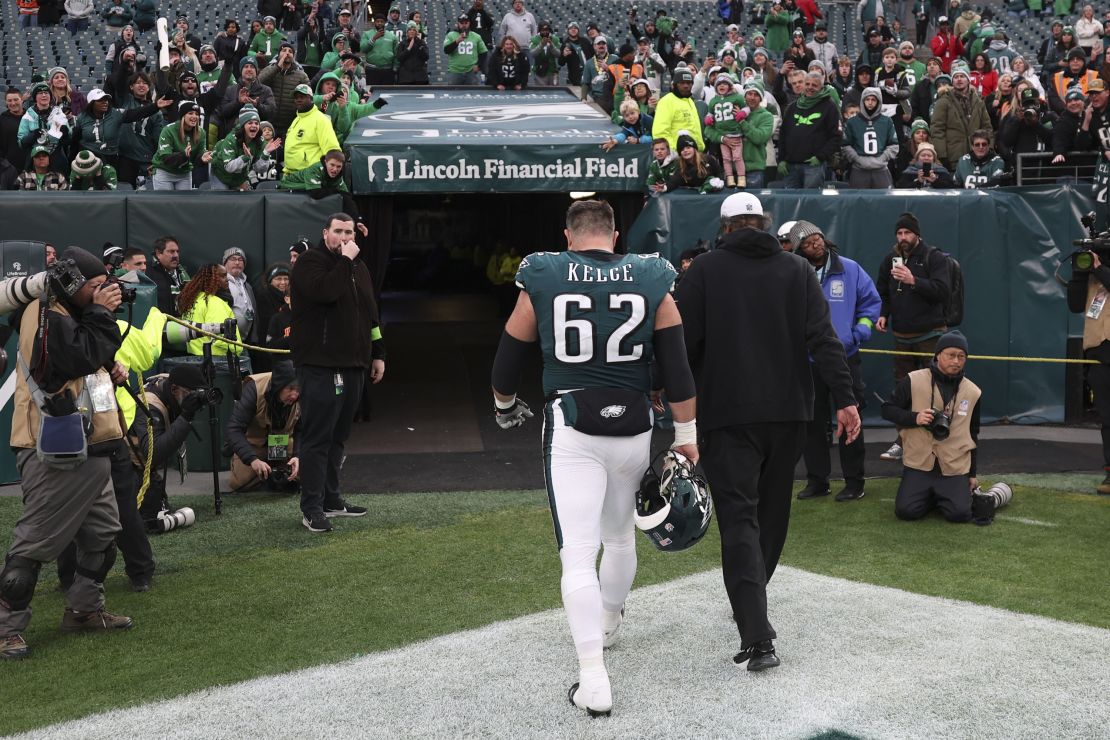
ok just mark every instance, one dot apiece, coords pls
pixel 591 483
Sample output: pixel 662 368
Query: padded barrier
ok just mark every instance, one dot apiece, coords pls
pixel 1007 241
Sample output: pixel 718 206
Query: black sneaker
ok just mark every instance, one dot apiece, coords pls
pixel 316 523
pixel 140 584
pixel 850 493
pixel 758 657
pixel 344 509
pixel 814 489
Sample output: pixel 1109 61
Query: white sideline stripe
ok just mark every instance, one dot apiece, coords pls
pixel 1023 520
pixel 875 662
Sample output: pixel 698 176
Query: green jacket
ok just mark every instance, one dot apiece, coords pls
pixel 660 173
pixel 779 28
pixel 231 166
pixel 757 129
pixel 380 54
pixel 313 177
pixel 170 155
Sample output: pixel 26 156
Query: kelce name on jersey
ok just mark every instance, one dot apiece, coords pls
pixel 579 273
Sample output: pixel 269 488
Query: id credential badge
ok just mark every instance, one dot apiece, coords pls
pixel 1097 304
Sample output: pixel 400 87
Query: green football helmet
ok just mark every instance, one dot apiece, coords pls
pixel 673 508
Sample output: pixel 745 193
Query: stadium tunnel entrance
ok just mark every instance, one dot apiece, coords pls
pixel 468 243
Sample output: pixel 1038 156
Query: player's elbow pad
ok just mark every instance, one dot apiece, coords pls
pixel 511 353
pixel 670 351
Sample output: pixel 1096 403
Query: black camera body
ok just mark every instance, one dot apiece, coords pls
pixel 941 425
pixel 127 293
pixel 1095 243
pixel 66 277
pixel 927 168
pixel 1031 114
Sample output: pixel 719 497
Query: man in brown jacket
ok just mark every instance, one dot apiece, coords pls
pixel 957 114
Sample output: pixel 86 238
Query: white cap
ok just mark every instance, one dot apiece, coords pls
pixel 741 204
pixel 96 94
pixel 784 230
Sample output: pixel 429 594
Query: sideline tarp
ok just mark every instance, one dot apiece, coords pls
pixel 465 140
pixel 1008 243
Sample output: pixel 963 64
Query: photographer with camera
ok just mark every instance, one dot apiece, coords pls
pixel 261 431
pixel 1088 290
pixel 1026 130
pixel 545 55
pixel 64 428
pixel 936 409
pixel 173 400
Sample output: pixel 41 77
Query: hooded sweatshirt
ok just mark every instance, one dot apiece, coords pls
pixel 749 274
pixel 521 26
pixel 309 138
pixel 870 141
pixel 810 128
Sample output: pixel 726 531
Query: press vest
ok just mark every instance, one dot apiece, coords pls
pixel 1096 331
pixel 920 450
pixel 26 418
pixel 153 403
pixel 259 427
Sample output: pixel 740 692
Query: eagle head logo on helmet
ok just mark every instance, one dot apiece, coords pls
pixel 673 509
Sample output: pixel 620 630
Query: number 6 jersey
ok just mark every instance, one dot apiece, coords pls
pixel 595 311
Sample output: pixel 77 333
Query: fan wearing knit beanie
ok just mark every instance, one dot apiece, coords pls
pixel 88 172
pixel 937 410
pixel 240 152
pixel 854 306
pixel 914 284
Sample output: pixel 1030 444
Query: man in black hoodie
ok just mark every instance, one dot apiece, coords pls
pixel 753 316
pixel 810 134
pixel 336 339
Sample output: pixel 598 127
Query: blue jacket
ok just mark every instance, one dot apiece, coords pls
pixel 854 302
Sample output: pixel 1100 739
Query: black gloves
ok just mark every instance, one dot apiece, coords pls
pixel 192 403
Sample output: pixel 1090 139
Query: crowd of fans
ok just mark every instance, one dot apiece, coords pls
pixel 772 100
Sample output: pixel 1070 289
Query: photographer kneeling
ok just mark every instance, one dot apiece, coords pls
pixel 1087 294
pixel 937 410
pixel 261 431
pixel 173 400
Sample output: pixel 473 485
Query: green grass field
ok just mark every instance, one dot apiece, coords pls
pixel 252 593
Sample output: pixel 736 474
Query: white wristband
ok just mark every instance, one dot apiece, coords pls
pixel 504 405
pixel 685 433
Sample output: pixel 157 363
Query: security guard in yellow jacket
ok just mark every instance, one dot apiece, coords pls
pixel 937 410
pixel 65 426
pixel 262 431
pixel 1088 293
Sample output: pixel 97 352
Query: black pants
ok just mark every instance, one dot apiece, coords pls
pixel 750 468
pixel 922 30
pixel 326 418
pixel 1098 378
pixel 819 433
pixel 132 541
pixel 919 492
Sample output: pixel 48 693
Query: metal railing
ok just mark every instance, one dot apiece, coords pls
pixel 1036 168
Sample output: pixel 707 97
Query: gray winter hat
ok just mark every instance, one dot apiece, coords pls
pixel 802 230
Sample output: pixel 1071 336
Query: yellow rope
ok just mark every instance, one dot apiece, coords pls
pixel 1063 360
pixel 149 446
pixel 224 339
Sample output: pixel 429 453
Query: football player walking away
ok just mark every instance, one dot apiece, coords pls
pixel 753 315
pixel 600 318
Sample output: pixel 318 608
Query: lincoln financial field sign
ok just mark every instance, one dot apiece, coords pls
pixel 464 140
